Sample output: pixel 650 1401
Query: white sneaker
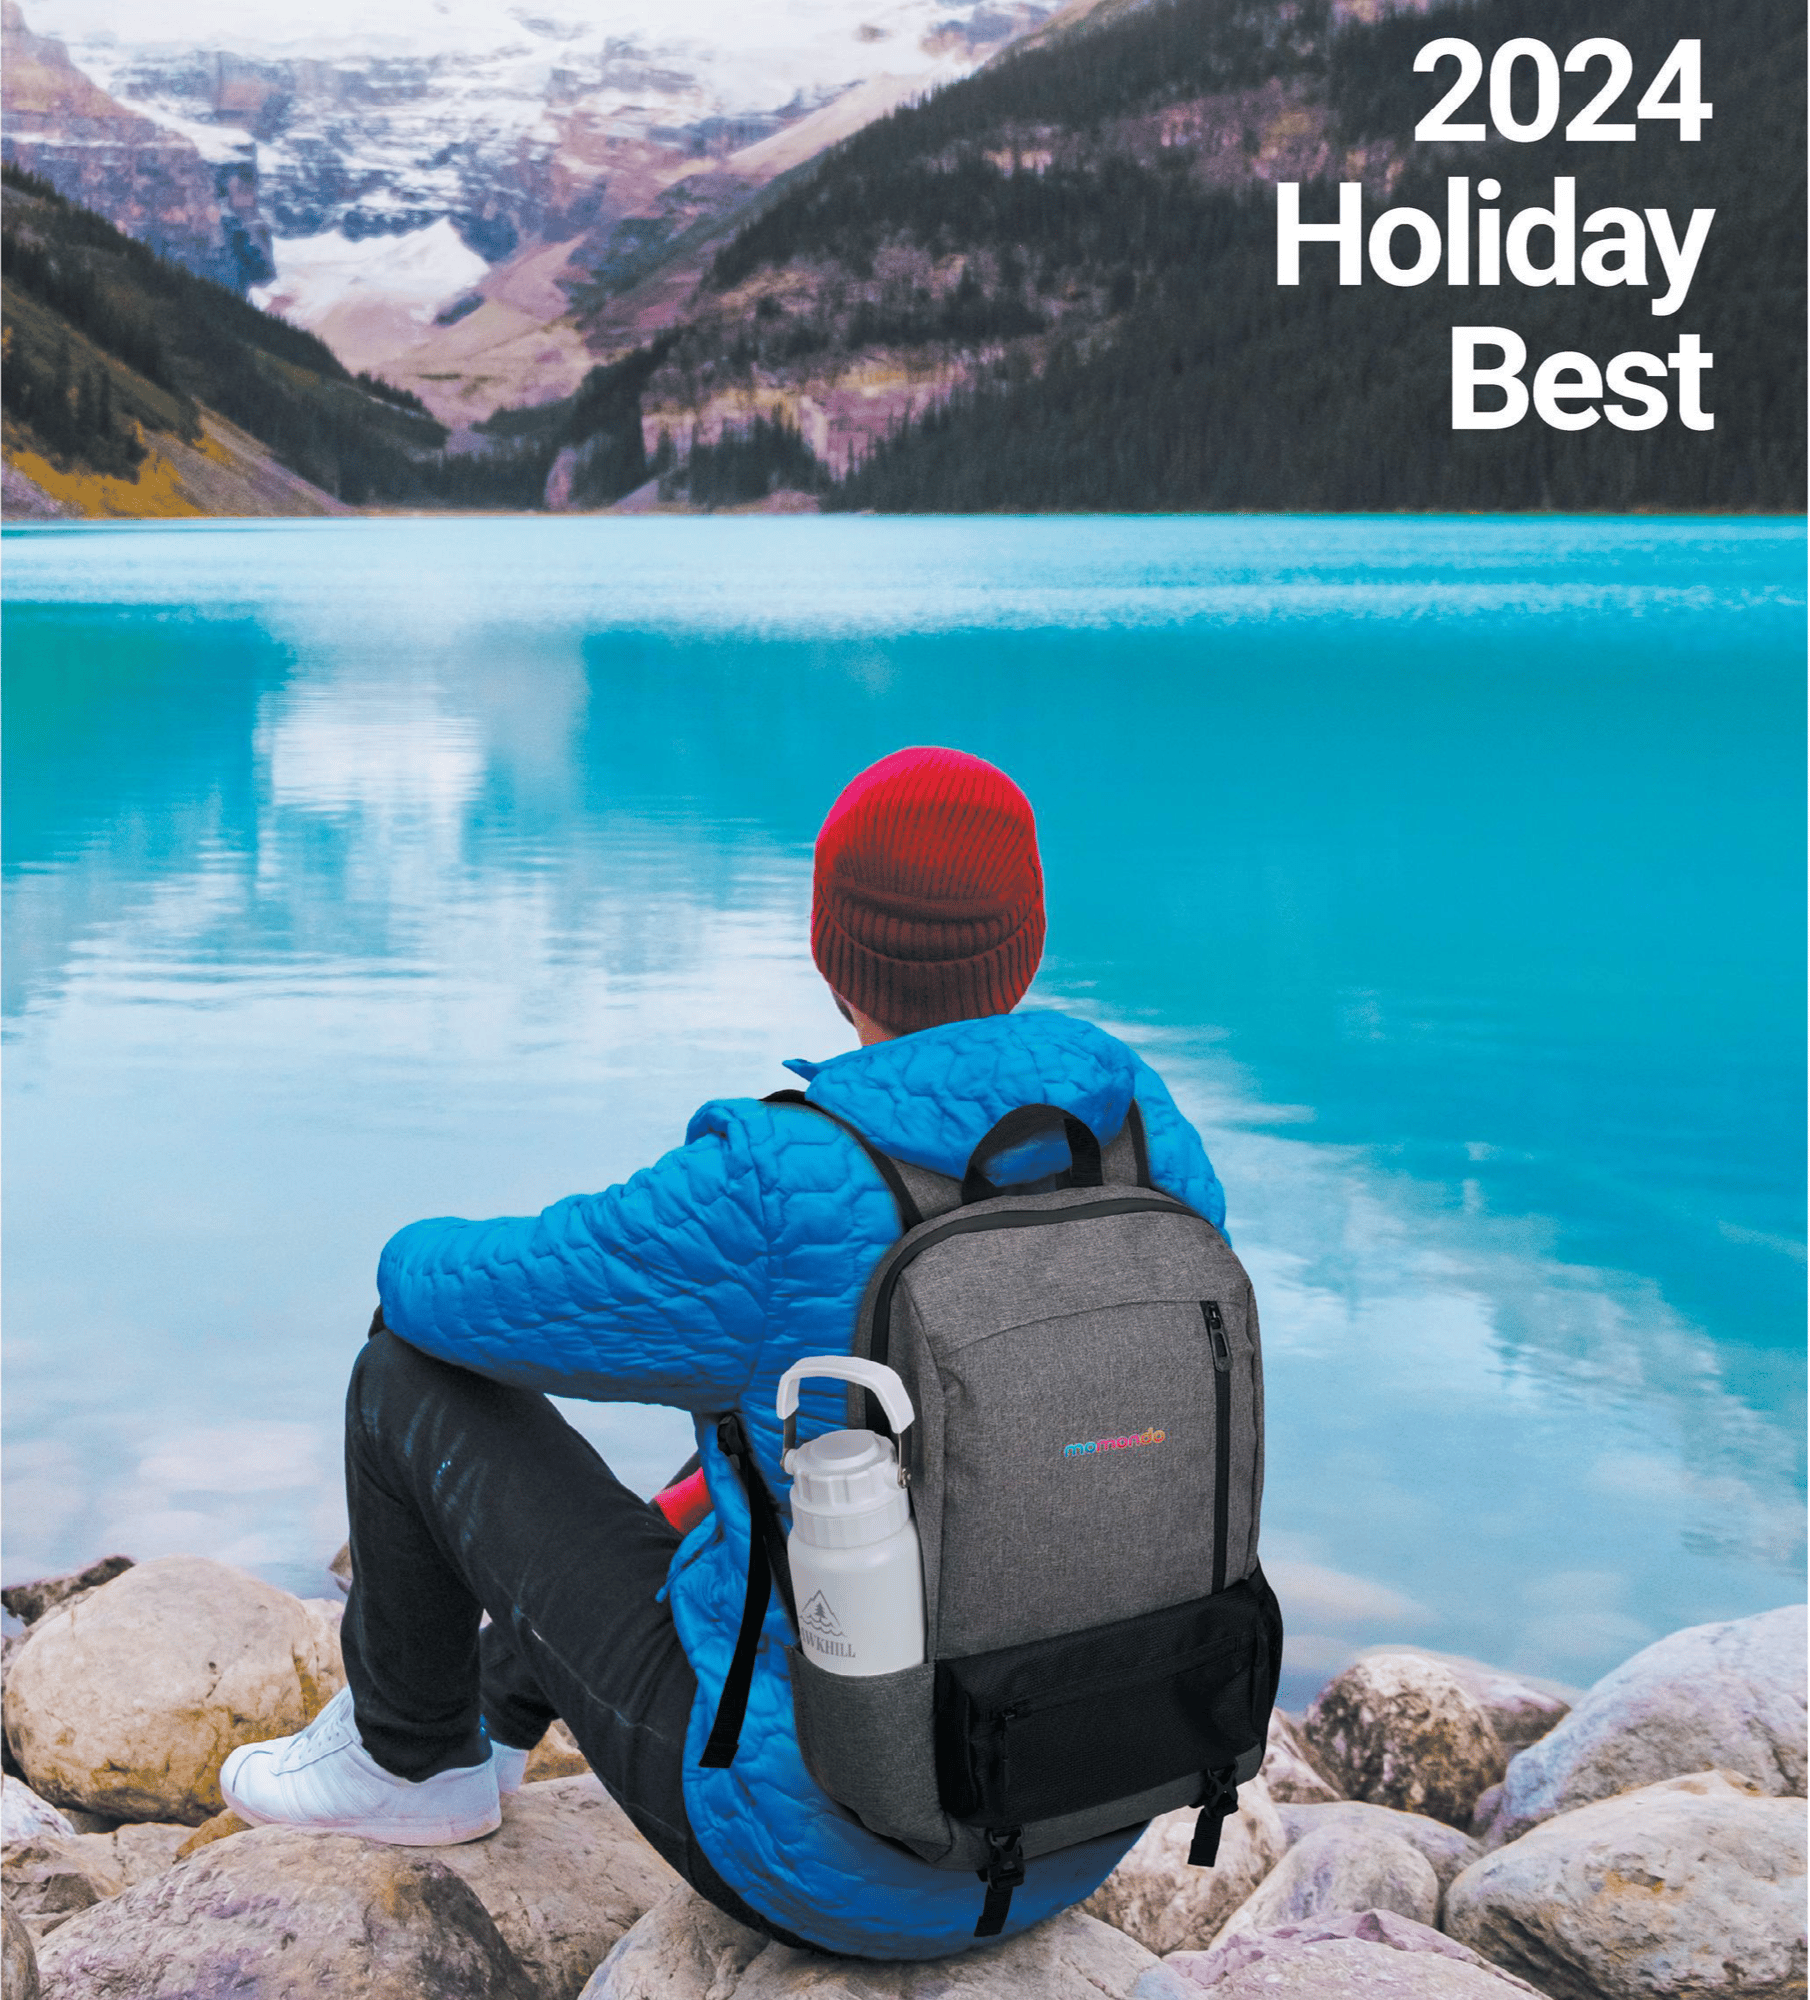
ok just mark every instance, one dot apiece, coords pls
pixel 511 1767
pixel 326 1779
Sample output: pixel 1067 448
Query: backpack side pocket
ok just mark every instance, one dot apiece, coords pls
pixel 867 1741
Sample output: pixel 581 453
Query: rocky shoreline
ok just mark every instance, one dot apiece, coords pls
pixel 1431 1829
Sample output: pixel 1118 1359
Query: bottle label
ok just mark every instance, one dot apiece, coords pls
pixel 821 1630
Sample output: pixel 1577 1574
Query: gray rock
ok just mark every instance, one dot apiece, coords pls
pixel 18 1960
pixel 1156 1897
pixel 28 1602
pixel 287 1915
pixel 128 1699
pixel 1521 1707
pixel 1345 1957
pixel 1692 1888
pixel 1399 1730
pixel 562 1880
pixel 685 1950
pixel 1449 1851
pixel 138 1850
pixel 52 1876
pixel 23 1815
pixel 556 1755
pixel 1337 1868
pixel 1289 1769
pixel 1724 1697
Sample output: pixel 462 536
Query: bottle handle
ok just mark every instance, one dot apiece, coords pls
pixel 873 1376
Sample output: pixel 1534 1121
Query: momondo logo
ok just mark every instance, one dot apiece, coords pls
pixel 1092 1445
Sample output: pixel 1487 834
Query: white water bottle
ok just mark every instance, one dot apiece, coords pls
pixel 857 1573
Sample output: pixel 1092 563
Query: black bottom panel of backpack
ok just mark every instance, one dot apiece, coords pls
pixel 1063 1725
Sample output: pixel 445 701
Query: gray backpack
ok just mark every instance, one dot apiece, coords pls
pixel 1085 1473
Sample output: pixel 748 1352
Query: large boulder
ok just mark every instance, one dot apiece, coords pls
pixel 1724 1697
pixel 1400 1730
pixel 1693 1888
pixel 1340 1868
pixel 563 1879
pixel 18 1961
pixel 288 1915
pixel 683 1949
pixel 1521 1707
pixel 128 1700
pixel 28 1602
pixel 1358 1955
pixel 1449 1851
pixel 1289 1769
pixel 1156 1897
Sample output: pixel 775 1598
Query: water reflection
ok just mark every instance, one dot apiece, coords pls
pixel 394 873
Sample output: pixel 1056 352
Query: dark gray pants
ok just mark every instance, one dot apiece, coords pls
pixel 466 1496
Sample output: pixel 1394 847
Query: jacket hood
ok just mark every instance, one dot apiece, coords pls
pixel 930 1098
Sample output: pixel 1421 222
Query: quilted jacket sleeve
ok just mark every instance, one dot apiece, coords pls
pixel 652 1292
pixel 1179 1163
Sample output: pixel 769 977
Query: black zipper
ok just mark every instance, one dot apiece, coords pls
pixel 1222 1434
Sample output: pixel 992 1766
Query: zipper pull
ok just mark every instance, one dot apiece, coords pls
pixel 1216 1333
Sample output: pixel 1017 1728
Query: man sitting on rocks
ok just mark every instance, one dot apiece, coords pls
pixel 696 1283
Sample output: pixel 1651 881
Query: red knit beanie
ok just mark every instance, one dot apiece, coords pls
pixel 928 897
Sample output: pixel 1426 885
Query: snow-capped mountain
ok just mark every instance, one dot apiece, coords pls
pixel 482 132
pixel 190 192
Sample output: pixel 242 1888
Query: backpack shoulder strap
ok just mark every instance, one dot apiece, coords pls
pixel 910 1214
pixel 1126 1162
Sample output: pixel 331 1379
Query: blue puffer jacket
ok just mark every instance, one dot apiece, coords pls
pixel 698 1283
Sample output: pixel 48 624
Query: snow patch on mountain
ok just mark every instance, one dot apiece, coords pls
pixel 418 273
pixel 508 127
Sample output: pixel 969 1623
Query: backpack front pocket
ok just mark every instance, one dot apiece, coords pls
pixel 1062 1725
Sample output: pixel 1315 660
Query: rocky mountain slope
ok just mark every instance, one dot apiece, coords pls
pixel 191 196
pixel 132 387
pixel 1013 217
pixel 441 173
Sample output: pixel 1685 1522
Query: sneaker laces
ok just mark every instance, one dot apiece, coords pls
pixel 331 1730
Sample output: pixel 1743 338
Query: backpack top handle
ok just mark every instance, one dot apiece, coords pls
pixel 1027 1122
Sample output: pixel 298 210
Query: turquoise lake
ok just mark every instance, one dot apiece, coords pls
pixel 1451 870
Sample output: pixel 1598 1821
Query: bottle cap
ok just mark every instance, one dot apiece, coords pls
pixel 846 1490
